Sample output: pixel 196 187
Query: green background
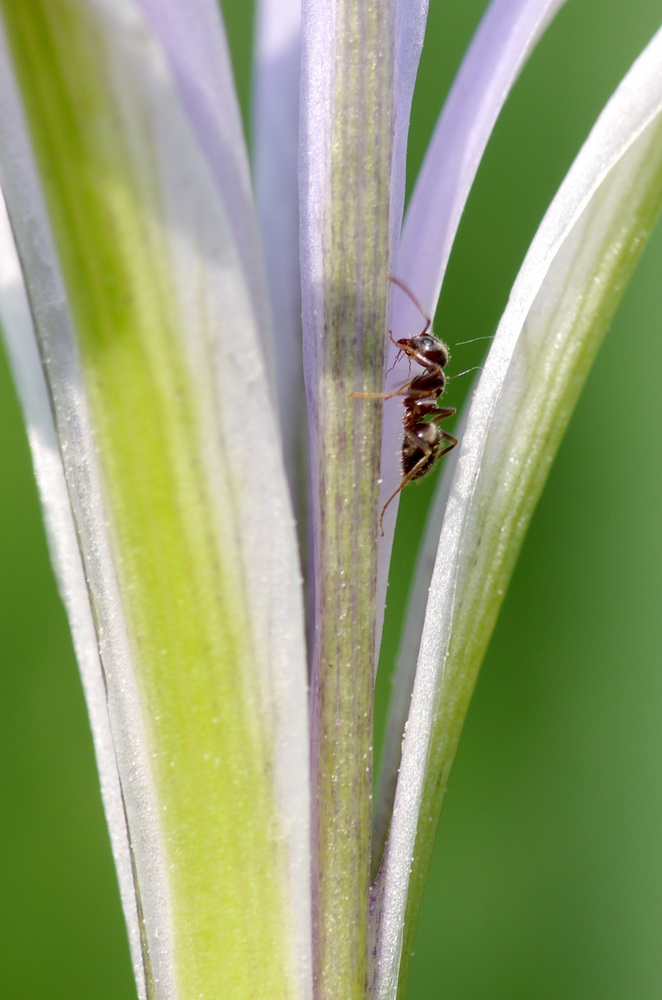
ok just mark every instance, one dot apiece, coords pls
pixel 547 880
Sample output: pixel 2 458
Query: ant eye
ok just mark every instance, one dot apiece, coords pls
pixel 442 355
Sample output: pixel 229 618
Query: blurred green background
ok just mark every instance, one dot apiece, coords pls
pixel 547 880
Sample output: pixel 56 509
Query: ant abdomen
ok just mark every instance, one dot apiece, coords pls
pixel 420 449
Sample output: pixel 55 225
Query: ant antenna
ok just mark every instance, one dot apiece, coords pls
pixel 407 291
pixel 476 368
pixel 474 340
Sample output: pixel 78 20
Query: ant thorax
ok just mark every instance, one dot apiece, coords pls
pixel 426 386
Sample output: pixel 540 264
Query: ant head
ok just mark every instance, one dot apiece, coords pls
pixel 433 350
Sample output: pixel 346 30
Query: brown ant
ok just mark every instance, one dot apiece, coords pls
pixel 423 440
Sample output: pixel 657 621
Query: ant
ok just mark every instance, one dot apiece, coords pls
pixel 423 440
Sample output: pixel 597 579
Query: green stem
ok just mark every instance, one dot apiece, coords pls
pixel 356 230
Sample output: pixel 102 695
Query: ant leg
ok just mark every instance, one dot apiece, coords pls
pixel 440 413
pixel 402 485
pixel 406 390
pixel 396 392
pixel 403 390
pixel 407 291
pixel 449 447
pixel 401 350
pixel 409 476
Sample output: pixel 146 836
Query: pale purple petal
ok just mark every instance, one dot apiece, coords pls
pixel 410 20
pixel 193 38
pixel 275 151
pixel 503 42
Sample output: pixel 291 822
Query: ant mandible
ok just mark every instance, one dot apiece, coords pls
pixel 423 440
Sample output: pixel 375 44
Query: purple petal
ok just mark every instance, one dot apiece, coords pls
pixel 410 21
pixel 275 150
pixel 503 42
